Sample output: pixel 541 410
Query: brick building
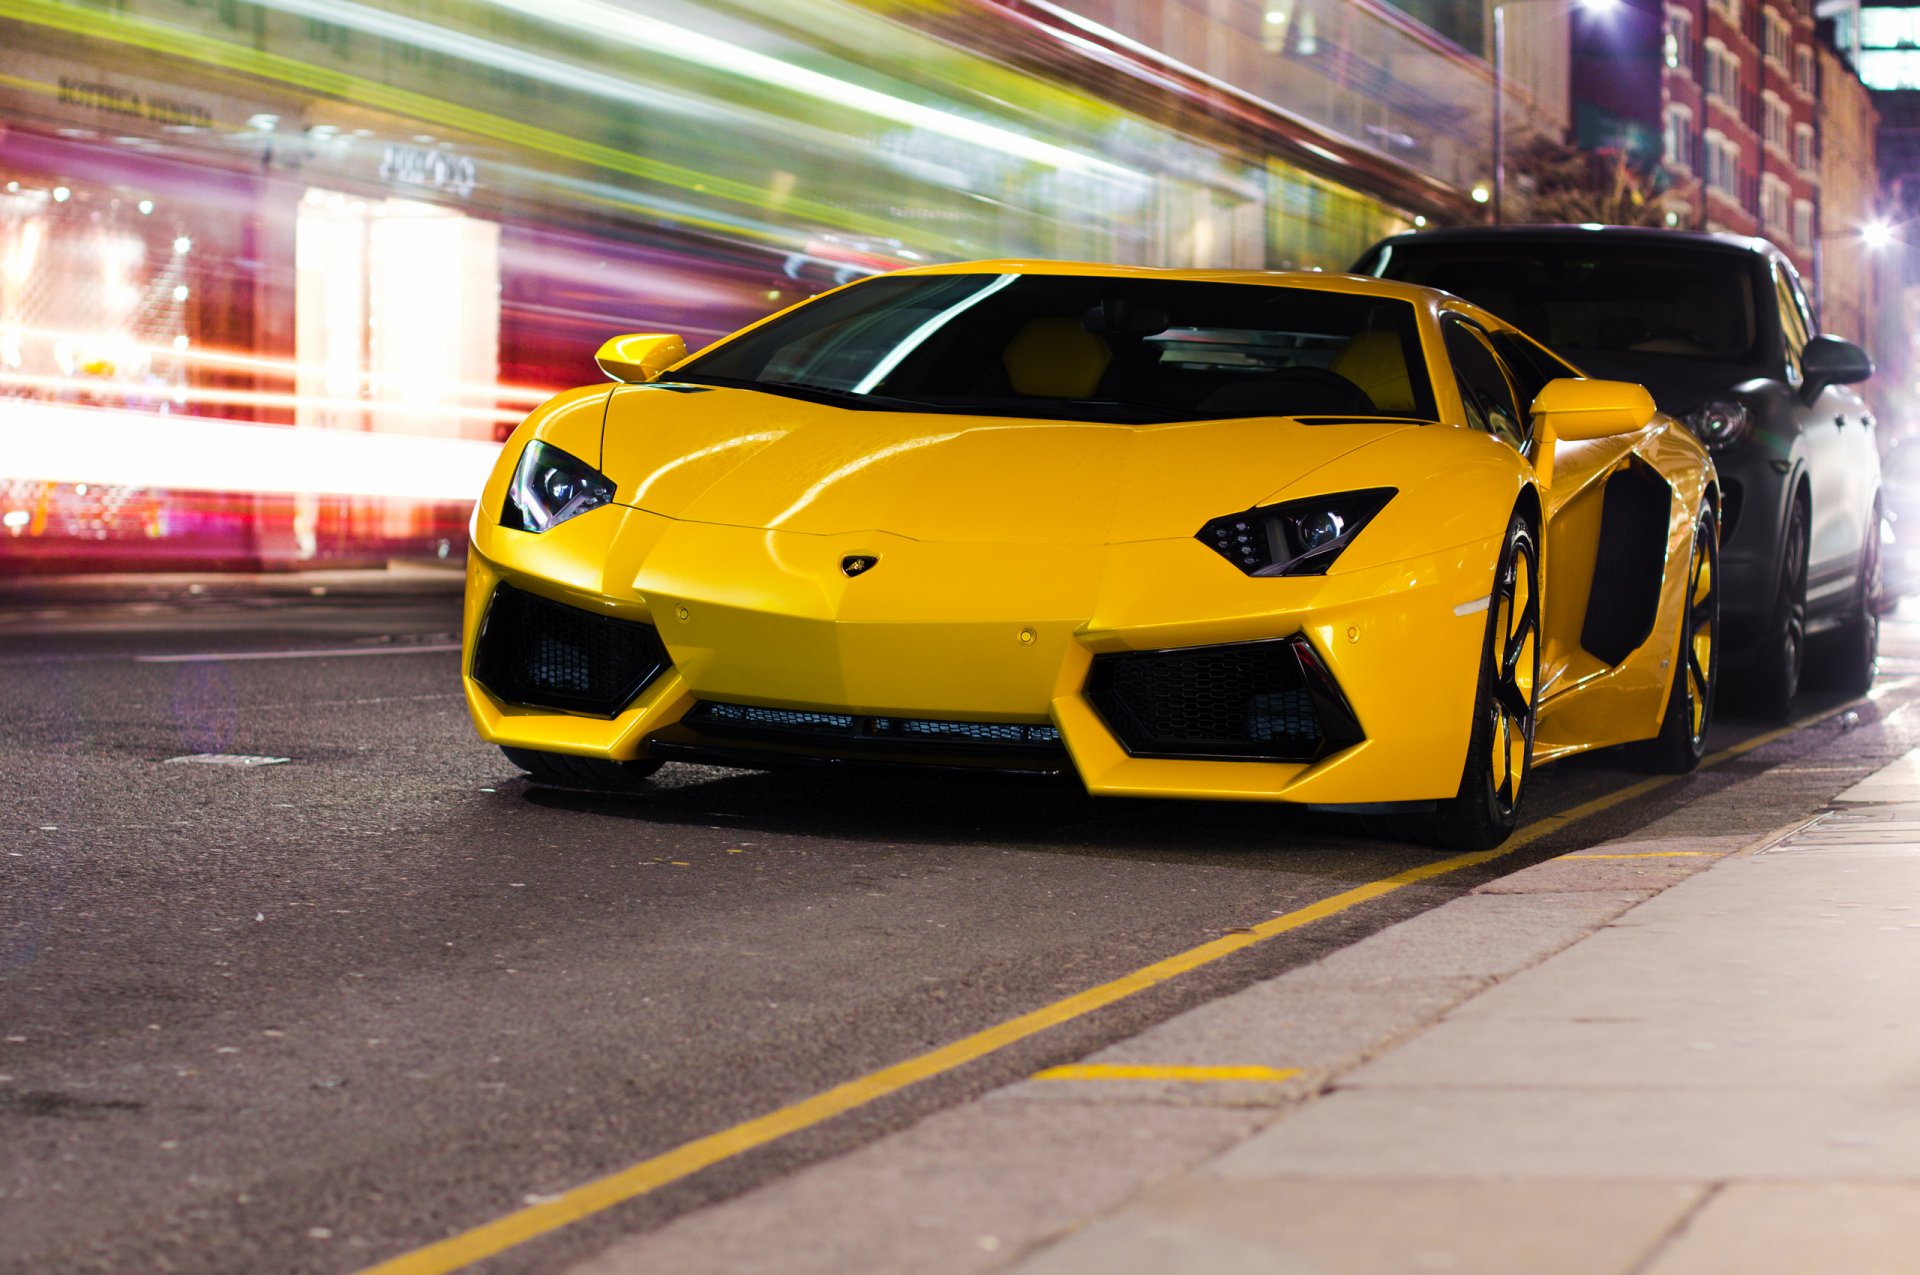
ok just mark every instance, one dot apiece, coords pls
pixel 1725 94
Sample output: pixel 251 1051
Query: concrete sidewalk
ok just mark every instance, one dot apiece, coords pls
pixel 1695 1050
pixel 1726 1079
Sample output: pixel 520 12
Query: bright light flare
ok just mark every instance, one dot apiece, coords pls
pixel 58 443
pixel 1877 234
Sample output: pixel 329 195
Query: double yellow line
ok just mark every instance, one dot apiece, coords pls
pixel 649 1175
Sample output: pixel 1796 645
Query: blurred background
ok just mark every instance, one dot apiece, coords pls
pixel 276 278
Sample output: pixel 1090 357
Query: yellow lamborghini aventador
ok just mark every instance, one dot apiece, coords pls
pixel 1223 534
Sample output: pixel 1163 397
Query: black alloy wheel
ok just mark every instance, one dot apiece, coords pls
pixel 1682 741
pixel 596 774
pixel 1774 678
pixel 1500 749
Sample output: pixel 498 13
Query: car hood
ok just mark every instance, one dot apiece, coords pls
pixel 750 459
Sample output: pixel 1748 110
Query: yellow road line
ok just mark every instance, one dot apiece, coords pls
pixel 535 1220
pixel 1149 1071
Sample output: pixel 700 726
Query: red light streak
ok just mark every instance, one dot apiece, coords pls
pixel 247 398
pixel 58 443
pixel 284 369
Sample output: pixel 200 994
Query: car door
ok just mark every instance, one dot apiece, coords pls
pixel 1837 547
pixel 1833 529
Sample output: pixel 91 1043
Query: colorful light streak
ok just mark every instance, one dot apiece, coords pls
pixel 243 398
pixel 283 369
pixel 57 443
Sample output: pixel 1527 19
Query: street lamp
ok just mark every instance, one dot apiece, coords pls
pixel 1499 87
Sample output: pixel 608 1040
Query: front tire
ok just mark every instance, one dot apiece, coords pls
pixel 563 770
pixel 1500 746
pixel 1682 741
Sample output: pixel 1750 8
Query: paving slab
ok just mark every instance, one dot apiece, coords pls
pixel 1767 1228
pixel 956 1193
pixel 1373 1227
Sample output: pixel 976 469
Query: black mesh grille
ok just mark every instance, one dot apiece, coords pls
pixel 544 654
pixel 715 717
pixel 1264 700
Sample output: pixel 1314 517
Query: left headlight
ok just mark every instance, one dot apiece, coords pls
pixel 549 486
pixel 1298 538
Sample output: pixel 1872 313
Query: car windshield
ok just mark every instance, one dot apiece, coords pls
pixel 1679 301
pixel 1080 347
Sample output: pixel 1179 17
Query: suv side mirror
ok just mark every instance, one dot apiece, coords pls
pixel 1830 360
pixel 1572 408
pixel 640 357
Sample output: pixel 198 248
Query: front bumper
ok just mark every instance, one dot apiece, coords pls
pixel 981 633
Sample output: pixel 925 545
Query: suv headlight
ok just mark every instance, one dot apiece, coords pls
pixel 1298 538
pixel 1720 423
pixel 549 486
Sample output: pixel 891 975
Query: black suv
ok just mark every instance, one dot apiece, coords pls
pixel 1718 328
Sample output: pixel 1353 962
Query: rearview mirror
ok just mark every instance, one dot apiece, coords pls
pixel 1573 408
pixel 1830 360
pixel 640 357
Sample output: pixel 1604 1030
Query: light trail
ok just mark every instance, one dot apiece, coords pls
pixel 286 369
pixel 245 398
pixel 58 443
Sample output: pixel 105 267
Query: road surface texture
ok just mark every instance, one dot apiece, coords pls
pixel 314 1014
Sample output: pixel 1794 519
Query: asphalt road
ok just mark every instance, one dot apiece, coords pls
pixel 306 1016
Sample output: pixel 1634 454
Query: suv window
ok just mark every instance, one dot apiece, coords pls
pixel 1598 293
pixel 1795 326
pixel 1484 388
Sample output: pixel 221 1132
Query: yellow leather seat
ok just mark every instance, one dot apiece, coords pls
pixel 1376 363
pixel 1055 358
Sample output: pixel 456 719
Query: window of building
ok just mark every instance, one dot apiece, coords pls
pixel 1804 157
pixel 1890 48
pixel 1776 120
pixel 1679 137
pixel 1775 203
pixel 1723 73
pixel 1778 46
pixel 1803 70
pixel 1803 224
pixel 1679 42
pixel 1729 7
pixel 1722 157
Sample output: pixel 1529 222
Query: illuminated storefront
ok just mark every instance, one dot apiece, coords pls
pixel 284 224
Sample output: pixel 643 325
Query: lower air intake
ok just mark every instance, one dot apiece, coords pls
pixel 1249 701
pixel 544 654
pixel 718 718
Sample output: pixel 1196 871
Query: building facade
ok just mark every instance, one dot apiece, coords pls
pixel 1850 265
pixel 1730 88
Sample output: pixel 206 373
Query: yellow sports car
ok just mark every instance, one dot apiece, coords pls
pixel 1223 534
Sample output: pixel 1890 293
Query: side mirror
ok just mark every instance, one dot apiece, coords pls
pixel 1573 409
pixel 1829 360
pixel 640 357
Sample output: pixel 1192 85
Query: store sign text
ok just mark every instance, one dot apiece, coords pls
pixel 95 95
pixel 437 170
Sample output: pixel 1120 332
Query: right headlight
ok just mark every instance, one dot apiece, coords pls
pixel 1720 423
pixel 550 486
pixel 1298 538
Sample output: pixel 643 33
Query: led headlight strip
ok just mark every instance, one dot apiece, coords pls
pixel 1297 538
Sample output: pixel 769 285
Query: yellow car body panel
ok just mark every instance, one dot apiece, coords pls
pixel 1012 552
